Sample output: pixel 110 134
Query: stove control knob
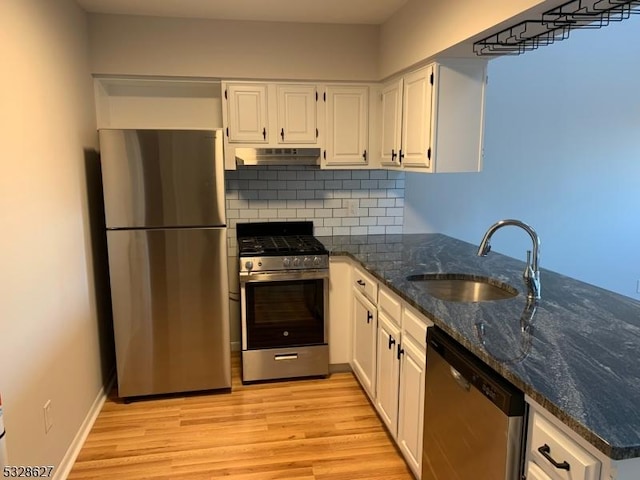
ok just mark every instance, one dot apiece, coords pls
pixel 286 263
pixel 248 265
pixel 316 261
pixel 296 262
pixel 306 262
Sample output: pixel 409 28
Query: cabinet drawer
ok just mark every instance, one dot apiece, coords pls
pixel 415 325
pixel 560 448
pixel 389 304
pixel 366 284
pixel 534 472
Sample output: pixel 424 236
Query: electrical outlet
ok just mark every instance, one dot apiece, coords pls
pixel 48 416
pixel 352 207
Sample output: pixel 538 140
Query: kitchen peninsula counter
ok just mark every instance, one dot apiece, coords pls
pixel 579 353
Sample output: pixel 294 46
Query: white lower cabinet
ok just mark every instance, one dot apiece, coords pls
pixel 399 356
pixel 534 472
pixel 365 320
pixel 411 404
pixel 388 372
pixel 556 454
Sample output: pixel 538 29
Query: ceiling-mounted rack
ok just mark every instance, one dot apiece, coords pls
pixel 555 25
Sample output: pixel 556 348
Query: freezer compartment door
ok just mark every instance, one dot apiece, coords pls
pixel 162 178
pixel 170 310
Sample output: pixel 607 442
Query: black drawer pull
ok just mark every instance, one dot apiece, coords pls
pixel 392 341
pixel 545 450
pixel 361 283
pixel 369 317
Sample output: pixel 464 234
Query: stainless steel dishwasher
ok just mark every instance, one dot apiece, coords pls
pixel 473 418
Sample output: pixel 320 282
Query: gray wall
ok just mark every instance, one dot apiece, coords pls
pixel 49 340
pixel 562 152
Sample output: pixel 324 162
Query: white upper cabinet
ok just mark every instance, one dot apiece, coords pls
pixel 406 120
pixel 416 118
pixel 270 114
pixel 247 114
pixel 391 122
pixel 347 125
pixel 297 113
pixel 431 119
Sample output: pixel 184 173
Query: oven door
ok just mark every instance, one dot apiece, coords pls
pixel 284 309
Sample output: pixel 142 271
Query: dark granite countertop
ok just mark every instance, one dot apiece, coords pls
pixel 580 358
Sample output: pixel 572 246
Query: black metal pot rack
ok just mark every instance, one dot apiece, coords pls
pixel 555 25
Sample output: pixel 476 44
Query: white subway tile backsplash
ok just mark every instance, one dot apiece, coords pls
pixel 287 194
pixel 369 202
pixel 339 202
pixel 322 212
pixel 358 231
pixel 305 212
pixel 360 175
pixel 342 175
pixel 379 174
pixel 386 202
pixel 350 222
pixel 286 175
pixel 351 184
pixel 306 194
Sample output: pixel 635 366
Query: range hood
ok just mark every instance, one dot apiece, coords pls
pixel 277 156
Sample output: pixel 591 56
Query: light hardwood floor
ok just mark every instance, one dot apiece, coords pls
pixel 314 429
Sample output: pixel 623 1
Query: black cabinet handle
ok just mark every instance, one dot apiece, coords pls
pixel 317 133
pixel 282 133
pixel 364 155
pixel 369 316
pixel 393 155
pixel 545 450
pixel 264 133
pixel 400 156
pixel 361 283
pixel 392 341
pixel 400 351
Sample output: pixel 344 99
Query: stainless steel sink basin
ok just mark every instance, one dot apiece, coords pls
pixel 458 287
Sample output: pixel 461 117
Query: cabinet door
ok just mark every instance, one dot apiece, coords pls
pixel 411 405
pixel 388 373
pixel 247 113
pixel 535 473
pixel 391 122
pixel 416 118
pixel 347 125
pixel 297 114
pixel 365 320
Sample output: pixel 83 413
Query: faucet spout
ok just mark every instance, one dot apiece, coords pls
pixel 531 273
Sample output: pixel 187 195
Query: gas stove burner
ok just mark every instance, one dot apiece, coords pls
pixel 280 246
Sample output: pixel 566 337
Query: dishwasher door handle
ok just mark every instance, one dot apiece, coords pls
pixel 460 380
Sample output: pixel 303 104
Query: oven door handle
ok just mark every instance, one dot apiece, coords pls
pixel 283 276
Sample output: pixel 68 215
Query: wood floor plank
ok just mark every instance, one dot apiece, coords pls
pixel 308 429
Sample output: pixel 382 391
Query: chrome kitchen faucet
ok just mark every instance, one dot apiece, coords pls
pixel 531 272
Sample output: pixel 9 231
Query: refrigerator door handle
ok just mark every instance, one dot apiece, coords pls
pixel 219 173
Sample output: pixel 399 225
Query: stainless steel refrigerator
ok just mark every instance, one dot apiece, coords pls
pixel 166 235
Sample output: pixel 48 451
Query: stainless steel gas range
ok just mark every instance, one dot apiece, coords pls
pixel 284 285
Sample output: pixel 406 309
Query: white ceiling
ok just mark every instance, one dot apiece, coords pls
pixel 373 12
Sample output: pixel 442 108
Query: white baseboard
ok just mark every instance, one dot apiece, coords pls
pixel 63 470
